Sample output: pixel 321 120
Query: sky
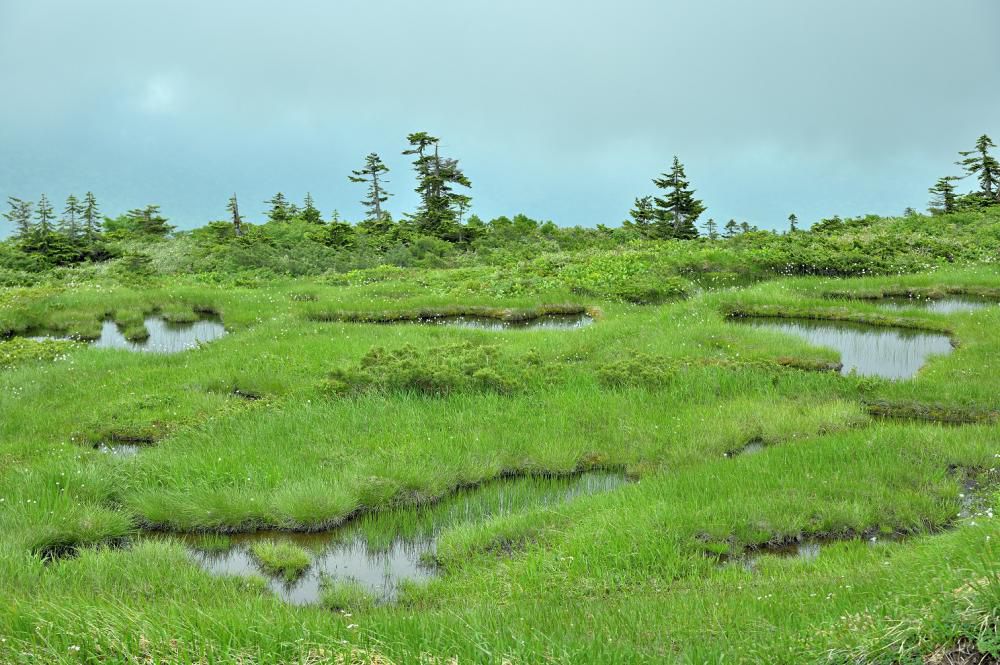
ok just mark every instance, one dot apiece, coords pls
pixel 561 109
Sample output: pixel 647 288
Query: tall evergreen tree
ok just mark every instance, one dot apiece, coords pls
pixel 373 174
pixel 69 224
pixel 945 199
pixel 980 163
pixel 643 216
pixel 436 176
pixel 44 214
pixel 732 229
pixel 793 220
pixel 234 213
pixel 279 211
pixel 91 218
pixel 678 210
pixel 19 215
pixel 310 213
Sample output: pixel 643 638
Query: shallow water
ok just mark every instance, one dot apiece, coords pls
pixel 948 305
pixel 892 353
pixel 164 336
pixel 119 449
pixel 382 550
pixel 547 322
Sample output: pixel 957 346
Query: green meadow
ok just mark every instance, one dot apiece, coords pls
pixel 326 404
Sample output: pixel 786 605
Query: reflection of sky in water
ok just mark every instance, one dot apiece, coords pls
pixel 164 337
pixel 891 353
pixel 381 550
pixel 940 306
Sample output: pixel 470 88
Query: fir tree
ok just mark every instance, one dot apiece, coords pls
pixel 310 213
pixel 745 227
pixel 944 199
pixel 732 229
pixel 643 216
pixel 91 216
pixel 712 229
pixel 234 213
pixel 69 225
pixel 19 215
pixel 279 211
pixel 148 221
pixel 980 163
pixel 373 174
pixel 44 214
pixel 678 210
pixel 793 220
pixel 436 176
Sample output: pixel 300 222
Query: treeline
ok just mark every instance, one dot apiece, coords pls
pixel 441 224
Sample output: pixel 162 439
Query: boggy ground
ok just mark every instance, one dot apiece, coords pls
pixel 356 417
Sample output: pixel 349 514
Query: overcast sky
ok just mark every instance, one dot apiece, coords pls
pixel 562 109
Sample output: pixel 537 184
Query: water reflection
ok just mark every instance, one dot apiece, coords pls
pixel 164 336
pixel 381 550
pixel 892 353
pixel 948 305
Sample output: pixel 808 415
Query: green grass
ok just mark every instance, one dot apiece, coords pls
pixel 662 392
pixel 281 558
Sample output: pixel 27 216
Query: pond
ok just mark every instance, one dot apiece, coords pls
pixel 381 550
pixel 891 353
pixel 546 322
pixel 948 305
pixel 164 336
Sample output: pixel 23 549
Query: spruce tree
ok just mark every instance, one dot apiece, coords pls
pixel 944 199
pixel 279 211
pixel 732 229
pixel 980 163
pixel 19 215
pixel 373 174
pixel 310 213
pixel 149 221
pixel 678 210
pixel 234 212
pixel 793 220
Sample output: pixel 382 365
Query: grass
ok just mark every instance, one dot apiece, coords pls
pixel 281 558
pixel 662 392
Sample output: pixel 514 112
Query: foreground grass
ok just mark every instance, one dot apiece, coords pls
pixel 663 392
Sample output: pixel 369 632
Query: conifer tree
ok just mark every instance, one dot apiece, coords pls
pixel 732 229
pixel 643 216
pixel 436 175
pixel 746 228
pixel 44 214
pixel 793 220
pixel 149 221
pixel 944 199
pixel 310 213
pixel 91 216
pixel 234 212
pixel 19 215
pixel 69 224
pixel 678 210
pixel 373 174
pixel 279 211
pixel 712 229
pixel 980 163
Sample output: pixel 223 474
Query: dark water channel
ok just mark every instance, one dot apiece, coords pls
pixel 164 336
pixel 892 353
pixel 546 322
pixel 380 551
